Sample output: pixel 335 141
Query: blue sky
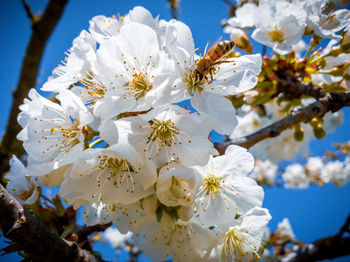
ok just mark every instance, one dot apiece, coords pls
pixel 313 213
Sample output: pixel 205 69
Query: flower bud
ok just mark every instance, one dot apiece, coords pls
pixel 241 39
pixel 177 185
pixel 73 237
pixel 319 131
pixel 298 133
pixel 314 122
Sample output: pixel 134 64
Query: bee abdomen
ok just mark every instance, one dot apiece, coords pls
pixel 226 46
pixel 220 49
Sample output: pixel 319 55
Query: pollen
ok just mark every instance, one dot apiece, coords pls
pixel 276 35
pixel 139 85
pixel 95 88
pixel 193 84
pixel 164 132
pixel 212 184
pixel 119 170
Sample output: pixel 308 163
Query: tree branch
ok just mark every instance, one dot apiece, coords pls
pixel 41 31
pixel 330 102
pixel 325 248
pixel 32 236
pixel 84 231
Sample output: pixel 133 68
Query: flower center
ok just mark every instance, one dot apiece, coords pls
pixel 193 84
pixel 25 194
pixel 180 189
pixel 233 241
pixel 119 169
pixel 180 234
pixel 139 85
pixel 276 35
pixel 70 135
pixel 164 131
pixel 330 22
pixel 95 88
pixel 212 184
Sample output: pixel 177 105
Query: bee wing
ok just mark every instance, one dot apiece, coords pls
pixel 216 41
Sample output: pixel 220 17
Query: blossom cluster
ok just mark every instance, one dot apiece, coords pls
pixel 250 121
pixel 116 141
pixel 280 241
pixel 281 24
pixel 317 171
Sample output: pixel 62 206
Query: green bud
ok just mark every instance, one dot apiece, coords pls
pixel 298 133
pixel 319 133
pixel 314 122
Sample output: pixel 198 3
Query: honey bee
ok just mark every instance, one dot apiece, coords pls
pixel 215 56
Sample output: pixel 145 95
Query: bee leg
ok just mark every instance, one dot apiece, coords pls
pixel 211 71
pixel 221 62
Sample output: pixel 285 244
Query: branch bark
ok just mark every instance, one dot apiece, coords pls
pixel 325 248
pixel 41 31
pixel 330 102
pixel 84 231
pixel 32 236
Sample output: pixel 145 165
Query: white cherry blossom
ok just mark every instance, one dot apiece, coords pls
pixel 244 17
pixel 284 229
pixel 265 172
pixel 117 174
pixel 23 187
pixel 164 134
pixel 243 241
pixel 279 25
pixel 226 189
pixel 132 75
pixel 324 24
pixel 52 134
pixel 295 177
pixel 232 77
pixel 333 171
pixel 80 60
pixel 182 240
pixel 314 166
pixel 177 185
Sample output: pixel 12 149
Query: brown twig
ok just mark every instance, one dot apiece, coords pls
pixel 325 248
pixel 174 8
pixel 41 31
pixel 32 236
pixel 84 231
pixel 30 14
pixel 331 102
